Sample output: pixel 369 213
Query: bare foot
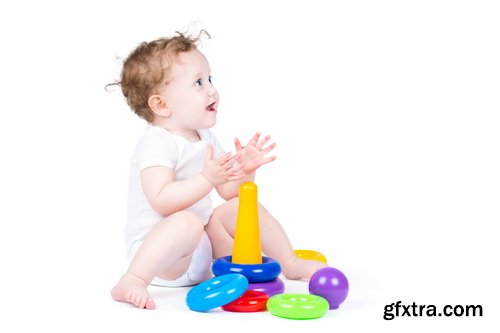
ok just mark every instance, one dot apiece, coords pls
pixel 132 290
pixel 301 269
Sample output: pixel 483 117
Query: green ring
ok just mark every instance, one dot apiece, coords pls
pixel 297 306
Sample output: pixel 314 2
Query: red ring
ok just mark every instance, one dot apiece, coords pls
pixel 250 301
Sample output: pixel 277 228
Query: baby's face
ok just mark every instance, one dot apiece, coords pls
pixel 190 94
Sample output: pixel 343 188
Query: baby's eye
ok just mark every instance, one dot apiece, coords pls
pixel 198 83
pixel 210 79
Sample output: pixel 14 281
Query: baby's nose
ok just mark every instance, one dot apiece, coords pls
pixel 212 91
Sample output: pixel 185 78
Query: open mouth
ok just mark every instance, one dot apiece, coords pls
pixel 211 107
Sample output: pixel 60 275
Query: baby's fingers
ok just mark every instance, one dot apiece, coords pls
pixel 266 160
pixel 236 177
pixel 230 162
pixel 261 144
pixel 234 168
pixel 253 141
pixel 268 149
pixel 224 158
pixel 209 155
pixel 237 144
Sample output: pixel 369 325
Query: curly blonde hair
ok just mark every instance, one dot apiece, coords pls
pixel 147 66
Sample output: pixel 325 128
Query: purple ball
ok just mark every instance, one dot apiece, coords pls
pixel 331 284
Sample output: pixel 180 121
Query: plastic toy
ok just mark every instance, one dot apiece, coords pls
pixel 247 248
pixel 297 306
pixel 310 255
pixel 271 288
pixel 267 271
pixel 250 301
pixel 216 292
pixel 330 283
pixel 262 272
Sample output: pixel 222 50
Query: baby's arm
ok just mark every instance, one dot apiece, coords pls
pixel 168 196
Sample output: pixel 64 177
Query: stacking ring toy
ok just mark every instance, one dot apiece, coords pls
pixel 250 301
pixel 216 292
pixel 297 306
pixel 310 255
pixel 267 271
pixel 271 288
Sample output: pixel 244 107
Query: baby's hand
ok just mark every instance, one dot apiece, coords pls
pixel 222 170
pixel 252 156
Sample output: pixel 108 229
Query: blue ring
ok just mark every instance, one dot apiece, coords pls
pixel 267 271
pixel 216 292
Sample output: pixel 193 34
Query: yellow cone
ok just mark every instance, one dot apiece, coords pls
pixel 246 248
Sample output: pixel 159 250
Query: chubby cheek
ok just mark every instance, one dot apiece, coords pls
pixel 178 98
pixel 174 102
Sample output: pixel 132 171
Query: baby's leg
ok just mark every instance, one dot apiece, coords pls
pixel 166 252
pixel 274 241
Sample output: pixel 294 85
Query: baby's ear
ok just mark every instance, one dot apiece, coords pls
pixel 159 107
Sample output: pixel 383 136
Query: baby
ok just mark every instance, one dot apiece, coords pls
pixel 173 232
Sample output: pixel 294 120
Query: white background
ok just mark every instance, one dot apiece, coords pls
pixel 386 115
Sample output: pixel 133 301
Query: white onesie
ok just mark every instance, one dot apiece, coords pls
pixel 159 147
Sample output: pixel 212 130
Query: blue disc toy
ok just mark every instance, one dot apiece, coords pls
pixel 216 292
